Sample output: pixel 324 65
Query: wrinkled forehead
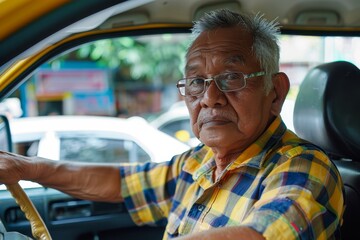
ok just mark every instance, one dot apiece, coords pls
pixel 226 58
pixel 228 45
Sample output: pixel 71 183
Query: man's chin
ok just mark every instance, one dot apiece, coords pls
pixel 212 140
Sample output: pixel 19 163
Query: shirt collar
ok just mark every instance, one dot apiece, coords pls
pixel 255 154
pixel 202 162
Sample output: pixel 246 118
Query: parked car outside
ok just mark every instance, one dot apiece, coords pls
pixel 92 139
pixel 176 123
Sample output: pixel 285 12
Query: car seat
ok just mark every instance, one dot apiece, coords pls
pixel 327 113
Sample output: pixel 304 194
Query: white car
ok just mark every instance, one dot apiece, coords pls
pixel 176 123
pixel 92 139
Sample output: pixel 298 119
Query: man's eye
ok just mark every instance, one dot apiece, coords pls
pixel 196 82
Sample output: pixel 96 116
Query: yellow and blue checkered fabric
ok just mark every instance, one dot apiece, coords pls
pixel 281 186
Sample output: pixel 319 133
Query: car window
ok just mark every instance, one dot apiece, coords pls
pixel 104 150
pixel 172 127
pixel 27 148
pixel 123 77
pixel 127 76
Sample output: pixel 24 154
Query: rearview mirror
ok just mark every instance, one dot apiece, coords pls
pixel 5 135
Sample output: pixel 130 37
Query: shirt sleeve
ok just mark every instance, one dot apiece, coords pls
pixel 302 198
pixel 148 188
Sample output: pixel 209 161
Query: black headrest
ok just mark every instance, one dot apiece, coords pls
pixel 327 109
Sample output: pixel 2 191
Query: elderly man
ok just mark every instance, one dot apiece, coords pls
pixel 250 179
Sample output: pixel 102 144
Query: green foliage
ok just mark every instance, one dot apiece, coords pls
pixel 153 58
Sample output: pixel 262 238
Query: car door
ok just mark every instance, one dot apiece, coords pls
pixel 97 91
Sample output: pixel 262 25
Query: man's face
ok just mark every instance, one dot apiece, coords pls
pixel 231 120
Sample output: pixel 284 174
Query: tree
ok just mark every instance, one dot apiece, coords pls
pixel 157 59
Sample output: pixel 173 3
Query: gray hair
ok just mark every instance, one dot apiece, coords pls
pixel 265 34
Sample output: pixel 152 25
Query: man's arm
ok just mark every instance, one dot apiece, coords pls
pixel 91 182
pixel 225 233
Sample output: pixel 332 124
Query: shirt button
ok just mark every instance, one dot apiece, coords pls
pixel 201 208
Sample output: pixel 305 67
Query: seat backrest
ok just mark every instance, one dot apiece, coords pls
pixel 327 113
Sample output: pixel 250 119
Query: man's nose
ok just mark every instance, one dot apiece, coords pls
pixel 213 95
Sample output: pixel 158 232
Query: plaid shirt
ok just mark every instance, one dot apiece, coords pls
pixel 281 186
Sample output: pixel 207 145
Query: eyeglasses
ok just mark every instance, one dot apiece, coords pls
pixel 226 82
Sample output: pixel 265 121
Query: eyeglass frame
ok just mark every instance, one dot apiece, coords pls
pixel 206 80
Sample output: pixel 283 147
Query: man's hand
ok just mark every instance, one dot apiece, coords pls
pixel 14 167
pixel 86 181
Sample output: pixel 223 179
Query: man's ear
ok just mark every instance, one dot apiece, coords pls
pixel 281 88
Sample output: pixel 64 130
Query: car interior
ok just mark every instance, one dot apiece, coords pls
pixel 322 42
pixel 324 115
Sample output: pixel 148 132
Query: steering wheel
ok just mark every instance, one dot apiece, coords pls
pixel 38 227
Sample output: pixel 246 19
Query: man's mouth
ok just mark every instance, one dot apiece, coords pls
pixel 214 122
